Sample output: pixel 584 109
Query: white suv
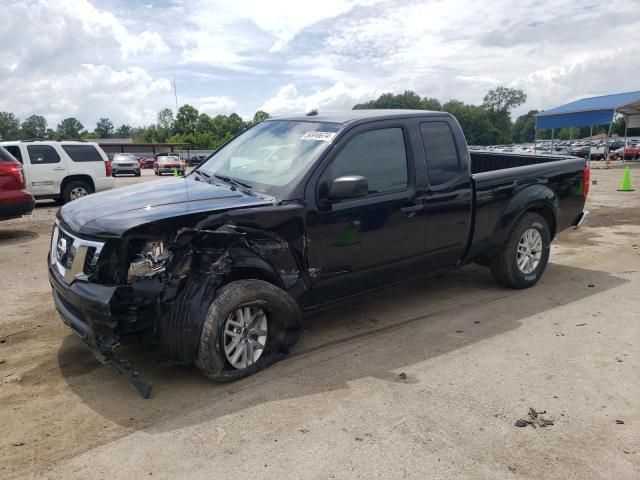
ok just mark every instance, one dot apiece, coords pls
pixel 62 170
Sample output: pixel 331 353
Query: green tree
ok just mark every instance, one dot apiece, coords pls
pixel 235 124
pixel 260 116
pixel 409 100
pixel 91 136
pixel 475 122
pixel 9 126
pixel 123 131
pixel 34 127
pixel 503 99
pixel 430 104
pixel 104 128
pixel 186 120
pixel 69 129
pixel 165 119
pixel 524 129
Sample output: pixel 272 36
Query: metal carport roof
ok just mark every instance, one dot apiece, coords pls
pixel 590 111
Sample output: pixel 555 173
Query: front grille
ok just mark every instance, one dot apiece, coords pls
pixel 65 250
pixel 74 258
pixel 90 261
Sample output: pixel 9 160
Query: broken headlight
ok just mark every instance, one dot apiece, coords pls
pixel 150 261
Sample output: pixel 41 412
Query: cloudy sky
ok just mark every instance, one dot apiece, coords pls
pixel 117 58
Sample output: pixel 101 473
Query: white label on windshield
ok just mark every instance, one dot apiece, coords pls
pixel 322 136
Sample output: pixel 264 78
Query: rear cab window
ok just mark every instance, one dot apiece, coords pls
pixel 15 151
pixel 443 161
pixel 42 154
pixel 83 153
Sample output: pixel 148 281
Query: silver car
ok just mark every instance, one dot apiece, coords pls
pixel 125 163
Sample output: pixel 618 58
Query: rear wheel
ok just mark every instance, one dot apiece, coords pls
pixel 76 189
pixel 525 254
pixel 249 325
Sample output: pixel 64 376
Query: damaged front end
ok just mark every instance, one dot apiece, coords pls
pixel 154 287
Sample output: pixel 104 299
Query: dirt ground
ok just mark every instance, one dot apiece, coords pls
pixel 418 381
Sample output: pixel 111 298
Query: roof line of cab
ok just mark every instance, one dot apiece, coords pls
pixel 351 116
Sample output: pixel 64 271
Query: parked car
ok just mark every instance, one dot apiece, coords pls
pixel 219 267
pixel 616 144
pixel 168 164
pixel 62 170
pixel 146 162
pixel 125 163
pixel 196 160
pixel 628 153
pixel 15 199
pixel 597 152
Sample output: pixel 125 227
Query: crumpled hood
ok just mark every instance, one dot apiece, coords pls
pixel 113 212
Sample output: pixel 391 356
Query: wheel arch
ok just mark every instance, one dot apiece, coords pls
pixel 538 199
pixel 77 177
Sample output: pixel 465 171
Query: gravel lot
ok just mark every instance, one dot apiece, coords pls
pixel 420 381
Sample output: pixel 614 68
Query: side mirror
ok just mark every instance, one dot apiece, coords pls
pixel 351 186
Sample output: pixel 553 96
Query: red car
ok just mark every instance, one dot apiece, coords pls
pixel 630 153
pixel 15 199
pixel 168 164
pixel 146 162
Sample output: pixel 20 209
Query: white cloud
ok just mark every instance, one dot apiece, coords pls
pixel 216 105
pixel 115 58
pixel 336 97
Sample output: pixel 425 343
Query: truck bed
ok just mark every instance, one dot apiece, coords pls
pixel 504 181
pixel 486 161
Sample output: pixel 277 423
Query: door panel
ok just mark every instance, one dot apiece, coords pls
pixel 449 199
pixel 46 169
pixel 362 244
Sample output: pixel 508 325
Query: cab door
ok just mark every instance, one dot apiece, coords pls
pixel 449 197
pixel 364 243
pixel 46 169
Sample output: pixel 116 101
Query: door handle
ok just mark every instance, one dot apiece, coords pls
pixel 411 210
pixel 59 168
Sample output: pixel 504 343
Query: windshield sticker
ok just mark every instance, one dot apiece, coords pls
pixel 322 136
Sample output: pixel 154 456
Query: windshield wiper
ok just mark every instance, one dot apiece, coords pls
pixel 232 181
pixel 204 174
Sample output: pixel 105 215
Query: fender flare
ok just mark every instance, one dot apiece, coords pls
pixel 534 198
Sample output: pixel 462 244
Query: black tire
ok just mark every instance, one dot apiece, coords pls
pixel 505 266
pixel 155 172
pixel 284 327
pixel 71 186
pixel 138 173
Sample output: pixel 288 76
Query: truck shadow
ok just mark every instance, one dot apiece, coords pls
pixel 12 237
pixel 376 335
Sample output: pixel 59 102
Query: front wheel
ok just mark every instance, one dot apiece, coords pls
pixel 525 254
pixel 250 324
pixel 75 190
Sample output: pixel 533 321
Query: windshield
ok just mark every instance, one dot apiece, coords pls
pixel 124 156
pixel 272 154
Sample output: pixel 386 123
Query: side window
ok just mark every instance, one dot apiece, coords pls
pixel 82 153
pixel 443 162
pixel 15 151
pixel 379 156
pixel 40 154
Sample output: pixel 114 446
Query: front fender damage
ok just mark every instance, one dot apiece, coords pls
pixel 204 258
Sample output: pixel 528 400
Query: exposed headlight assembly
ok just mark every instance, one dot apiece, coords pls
pixel 150 261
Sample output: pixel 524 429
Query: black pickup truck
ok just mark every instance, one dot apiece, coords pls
pixel 217 268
